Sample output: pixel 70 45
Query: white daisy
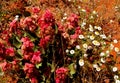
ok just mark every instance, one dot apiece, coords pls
pixel 17 17
pixel 72 52
pixel 103 36
pixel 92 37
pixel 117 49
pixel 102 54
pixel 91 28
pixel 99 28
pixel 83 10
pixel 94 12
pixel 116 77
pixel 95 27
pixel 107 52
pixel 97 33
pixel 64 18
pixel 117 81
pixel 65 14
pixel 111 46
pixel 77 46
pixel 96 43
pixel 102 60
pixel 85 45
pixel 81 36
pixel 115 41
pixel 83 24
pixel 111 21
pixel 85 55
pixel 81 62
pixel 91 17
pixel 98 69
pixel 95 65
pixel 66 50
pixel 114 69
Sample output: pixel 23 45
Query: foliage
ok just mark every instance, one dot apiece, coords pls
pixel 38 47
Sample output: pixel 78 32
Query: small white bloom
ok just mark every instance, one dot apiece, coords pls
pixel 98 69
pixel 81 36
pixel 116 77
pixel 114 69
pixel 17 17
pixel 103 36
pixel 85 45
pixel 95 27
pixel 117 49
pixel 81 62
pixel 107 52
pixel 92 37
pixel 117 81
pixel 65 14
pixel 95 66
pixel 91 17
pixel 88 36
pixel 111 46
pixel 102 60
pixel 83 10
pixel 96 43
pixel 79 7
pixel 77 46
pixel 115 41
pixel 102 54
pixel 83 24
pixel 97 33
pixel 91 28
pixel 99 28
pixel 67 51
pixel 94 12
pixel 69 0
pixel 72 52
pixel 111 21
pixel 103 43
pixel 64 18
pixel 85 55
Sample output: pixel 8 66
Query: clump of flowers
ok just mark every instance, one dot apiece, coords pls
pixel 46 50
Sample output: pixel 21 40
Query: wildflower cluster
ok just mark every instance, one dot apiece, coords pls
pixel 74 49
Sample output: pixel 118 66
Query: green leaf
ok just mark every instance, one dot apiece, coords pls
pixel 30 36
pixel 56 29
pixel 15 41
pixel 1 72
pixel 72 69
pixel 38 65
pixel 16 44
pixel 52 67
pixel 19 52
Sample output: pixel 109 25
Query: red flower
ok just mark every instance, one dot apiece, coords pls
pixel 26 43
pixel 48 17
pixel 46 20
pixel 36 57
pixel 13 24
pixel 28 68
pixel 73 19
pixel 35 9
pixel 44 41
pixel 10 51
pixel 6 66
pixel 61 74
pixel 34 80
pixel 77 33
